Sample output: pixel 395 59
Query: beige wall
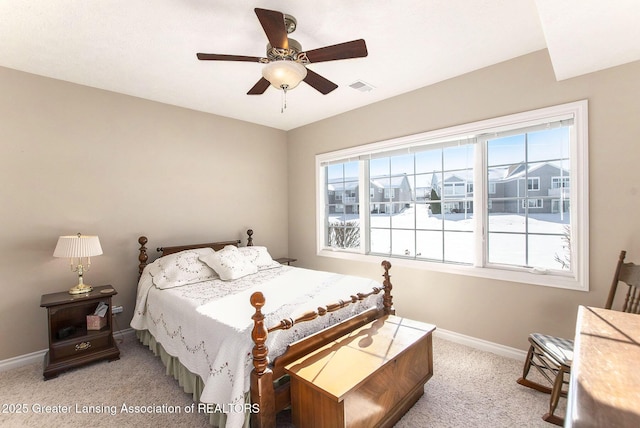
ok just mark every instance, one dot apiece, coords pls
pixel 496 311
pixel 76 159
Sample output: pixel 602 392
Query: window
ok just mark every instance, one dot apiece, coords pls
pixel 349 197
pixel 388 194
pixel 455 188
pixel 532 203
pixel 489 198
pixel 559 182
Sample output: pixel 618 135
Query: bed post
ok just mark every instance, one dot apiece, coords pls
pixel 262 392
pixel 142 257
pixel 250 238
pixel 387 300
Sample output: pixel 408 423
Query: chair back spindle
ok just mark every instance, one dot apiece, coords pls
pixel 628 273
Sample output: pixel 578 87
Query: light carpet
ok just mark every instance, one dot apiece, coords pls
pixel 469 388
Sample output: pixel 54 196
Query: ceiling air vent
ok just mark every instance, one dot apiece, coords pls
pixel 361 86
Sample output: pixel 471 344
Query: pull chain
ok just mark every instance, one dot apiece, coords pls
pixel 284 98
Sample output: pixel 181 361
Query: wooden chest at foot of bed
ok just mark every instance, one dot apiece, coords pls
pixel 369 377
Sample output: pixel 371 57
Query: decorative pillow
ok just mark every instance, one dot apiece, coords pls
pixel 229 263
pixel 182 268
pixel 260 257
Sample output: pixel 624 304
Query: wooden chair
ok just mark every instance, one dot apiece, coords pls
pixel 552 356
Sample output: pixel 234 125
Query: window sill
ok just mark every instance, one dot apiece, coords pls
pixel 546 280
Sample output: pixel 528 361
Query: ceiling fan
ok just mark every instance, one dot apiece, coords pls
pixel 286 61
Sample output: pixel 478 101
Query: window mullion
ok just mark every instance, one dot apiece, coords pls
pixel 365 208
pixel 526 200
pixel 322 211
pixel 480 211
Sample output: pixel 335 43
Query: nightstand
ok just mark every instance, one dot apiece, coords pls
pixel 285 261
pixel 71 344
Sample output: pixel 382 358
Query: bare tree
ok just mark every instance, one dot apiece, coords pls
pixel 565 261
pixel 344 235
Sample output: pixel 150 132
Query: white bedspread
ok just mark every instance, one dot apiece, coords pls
pixel 208 325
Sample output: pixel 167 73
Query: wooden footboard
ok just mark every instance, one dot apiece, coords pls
pixel 271 399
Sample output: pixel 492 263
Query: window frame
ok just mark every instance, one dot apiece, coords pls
pixel 579 186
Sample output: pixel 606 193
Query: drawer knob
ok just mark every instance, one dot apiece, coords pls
pixel 82 346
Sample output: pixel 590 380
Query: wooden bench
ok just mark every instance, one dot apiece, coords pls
pixel 369 377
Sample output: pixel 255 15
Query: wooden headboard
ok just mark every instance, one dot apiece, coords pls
pixel 164 251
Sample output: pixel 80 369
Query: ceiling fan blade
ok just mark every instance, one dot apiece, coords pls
pixel 353 49
pixel 219 57
pixel 274 27
pixel 319 83
pixel 259 87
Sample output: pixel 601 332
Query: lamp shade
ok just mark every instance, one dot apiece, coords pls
pixel 77 246
pixel 284 74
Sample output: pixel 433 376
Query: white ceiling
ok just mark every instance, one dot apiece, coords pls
pixel 148 48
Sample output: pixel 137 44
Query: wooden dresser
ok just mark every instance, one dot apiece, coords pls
pixel 367 378
pixel 605 381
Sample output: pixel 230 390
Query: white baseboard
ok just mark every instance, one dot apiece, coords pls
pixel 483 345
pixel 121 334
pixel 38 356
pixel 22 360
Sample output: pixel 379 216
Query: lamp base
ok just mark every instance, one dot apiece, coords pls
pixel 80 289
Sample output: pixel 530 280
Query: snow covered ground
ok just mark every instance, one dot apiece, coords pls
pixel 449 237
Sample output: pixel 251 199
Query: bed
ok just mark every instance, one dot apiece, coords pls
pixel 226 319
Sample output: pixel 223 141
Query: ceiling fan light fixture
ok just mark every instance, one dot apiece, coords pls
pixel 284 74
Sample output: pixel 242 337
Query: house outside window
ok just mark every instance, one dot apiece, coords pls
pixel 490 199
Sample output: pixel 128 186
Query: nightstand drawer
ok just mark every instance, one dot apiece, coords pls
pixel 80 346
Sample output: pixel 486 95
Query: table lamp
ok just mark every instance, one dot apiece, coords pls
pixel 79 248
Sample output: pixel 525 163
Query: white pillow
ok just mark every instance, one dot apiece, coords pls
pixel 229 263
pixel 260 257
pixel 181 268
